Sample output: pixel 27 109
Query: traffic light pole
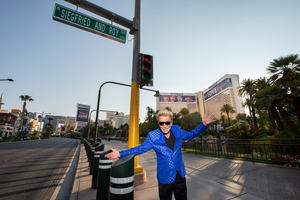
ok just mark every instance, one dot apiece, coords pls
pixel 134 26
pixel 133 136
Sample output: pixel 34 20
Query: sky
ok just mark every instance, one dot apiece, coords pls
pixel 193 43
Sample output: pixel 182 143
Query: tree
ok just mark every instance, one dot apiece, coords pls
pixel 168 109
pixel 24 98
pixel 48 126
pixel 239 130
pixel 248 103
pixel 150 115
pixel 247 88
pixel 188 123
pixel 227 108
pixel 271 98
pixel 285 71
pixel 215 123
pixel 184 112
pixel 223 120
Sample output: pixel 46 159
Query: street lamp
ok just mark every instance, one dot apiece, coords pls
pixel 8 79
pixel 98 102
pixel 90 118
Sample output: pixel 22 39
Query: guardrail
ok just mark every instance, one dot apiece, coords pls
pixel 278 151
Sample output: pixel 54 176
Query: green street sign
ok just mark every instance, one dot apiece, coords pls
pixel 82 21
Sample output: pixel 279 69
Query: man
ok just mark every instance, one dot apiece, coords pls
pixel 166 142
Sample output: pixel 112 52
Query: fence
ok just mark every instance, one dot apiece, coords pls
pixel 279 151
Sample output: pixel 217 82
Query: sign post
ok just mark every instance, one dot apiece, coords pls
pixel 87 23
pixel 71 17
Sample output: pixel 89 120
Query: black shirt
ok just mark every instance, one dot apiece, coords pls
pixel 170 141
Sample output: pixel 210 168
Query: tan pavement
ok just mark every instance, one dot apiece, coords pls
pixel 207 178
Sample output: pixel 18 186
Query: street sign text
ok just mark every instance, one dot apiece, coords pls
pixel 82 21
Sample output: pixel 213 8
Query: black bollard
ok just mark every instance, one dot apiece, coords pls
pixel 103 176
pixel 95 169
pixel 122 179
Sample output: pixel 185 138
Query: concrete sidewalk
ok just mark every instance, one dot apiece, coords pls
pixel 207 178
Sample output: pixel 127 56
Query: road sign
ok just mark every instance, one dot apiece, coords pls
pixel 82 21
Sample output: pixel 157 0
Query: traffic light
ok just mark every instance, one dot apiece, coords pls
pixel 145 70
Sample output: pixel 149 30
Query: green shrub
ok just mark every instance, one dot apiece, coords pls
pixel 17 138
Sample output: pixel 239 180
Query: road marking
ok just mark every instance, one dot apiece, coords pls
pixel 58 187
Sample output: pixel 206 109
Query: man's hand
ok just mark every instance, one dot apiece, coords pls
pixel 209 119
pixel 113 155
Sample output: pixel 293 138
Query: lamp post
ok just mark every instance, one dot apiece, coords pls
pixel 90 118
pixel 8 79
pixel 98 102
pixel 41 122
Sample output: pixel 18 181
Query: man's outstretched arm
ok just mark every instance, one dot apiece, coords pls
pixel 113 155
pixel 209 119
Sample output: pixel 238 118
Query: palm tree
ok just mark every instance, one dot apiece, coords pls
pixel 188 123
pixel 227 108
pixel 264 99
pixel 271 97
pixel 280 93
pixel 260 84
pixel 248 103
pixel 150 115
pixel 286 72
pixel 168 109
pixel 223 119
pixel 247 88
pixel 49 119
pixel 215 123
pixel 184 112
pixel 24 98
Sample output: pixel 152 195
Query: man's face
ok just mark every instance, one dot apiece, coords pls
pixel 165 124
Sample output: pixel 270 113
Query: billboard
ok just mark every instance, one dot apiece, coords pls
pixel 82 113
pixel 218 88
pixel 178 98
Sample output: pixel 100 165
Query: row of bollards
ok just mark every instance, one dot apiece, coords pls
pixel 113 179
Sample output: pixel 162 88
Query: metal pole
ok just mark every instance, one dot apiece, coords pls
pixel 8 79
pixel 102 12
pixel 98 103
pixel 133 136
pixel 98 106
pixel 91 115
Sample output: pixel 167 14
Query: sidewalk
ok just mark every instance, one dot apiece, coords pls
pixel 207 178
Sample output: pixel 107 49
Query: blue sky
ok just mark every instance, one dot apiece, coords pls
pixel 194 43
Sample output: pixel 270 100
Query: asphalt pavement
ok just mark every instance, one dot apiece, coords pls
pixel 33 169
pixel 207 178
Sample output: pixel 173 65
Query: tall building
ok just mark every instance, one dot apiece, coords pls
pixel 221 92
pixel 54 122
pixel 208 101
pixel 117 119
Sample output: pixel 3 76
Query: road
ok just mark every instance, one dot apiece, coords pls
pixel 33 169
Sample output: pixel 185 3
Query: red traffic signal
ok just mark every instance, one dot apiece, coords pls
pixel 145 70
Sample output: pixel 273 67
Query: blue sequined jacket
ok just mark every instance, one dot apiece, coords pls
pixel 168 161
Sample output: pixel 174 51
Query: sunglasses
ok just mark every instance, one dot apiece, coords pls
pixel 162 123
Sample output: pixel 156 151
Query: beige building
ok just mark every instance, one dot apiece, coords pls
pixel 221 92
pixel 117 119
pixel 208 101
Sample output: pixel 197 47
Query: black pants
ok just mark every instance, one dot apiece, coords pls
pixel 178 187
